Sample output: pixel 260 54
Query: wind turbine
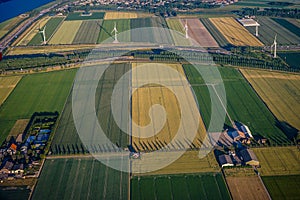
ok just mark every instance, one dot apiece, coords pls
pixel 256 29
pixel 186 30
pixel 116 34
pixel 275 47
pixel 43 32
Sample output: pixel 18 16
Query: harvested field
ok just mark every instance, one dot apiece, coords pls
pixel 178 39
pixel 122 25
pixel 234 32
pixel 246 187
pixel 267 30
pixel 78 16
pixel 283 187
pixel 66 33
pixel 278 160
pixel 88 32
pixel 120 15
pixel 194 186
pixel 7 84
pixel 284 104
pixel 198 32
pixel 81 178
pixel 33 30
pixel 19 127
pixel 145 97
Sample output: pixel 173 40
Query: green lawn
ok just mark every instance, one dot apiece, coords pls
pixel 192 186
pixel 84 178
pixel 35 93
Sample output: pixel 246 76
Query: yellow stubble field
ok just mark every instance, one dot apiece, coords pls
pixel 7 84
pixel 66 32
pixel 120 15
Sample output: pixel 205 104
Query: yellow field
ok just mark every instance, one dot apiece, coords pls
pixel 27 36
pixel 19 127
pixel 234 32
pixel 145 97
pixel 66 32
pixel 189 162
pixel 7 25
pixel 7 84
pixel 120 15
pixel 280 91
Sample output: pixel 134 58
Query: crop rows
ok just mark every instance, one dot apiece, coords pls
pixel 120 15
pixel 178 32
pixel 88 32
pixel 286 24
pixel 106 34
pixel 66 33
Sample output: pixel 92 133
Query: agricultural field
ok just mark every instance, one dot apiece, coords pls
pixel 291 58
pixel 267 30
pixel 122 25
pixel 222 41
pixel 189 162
pixel 145 97
pixel 88 32
pixel 243 104
pixel 199 33
pixel 282 187
pixel 7 25
pixel 178 38
pixel 120 15
pixel 66 134
pixel 35 93
pixel 296 22
pixel 19 127
pixel 7 84
pixel 79 16
pixel 194 186
pixel 149 35
pixel 284 104
pixel 234 32
pixel 51 26
pixel 10 193
pixel 84 178
pixel 66 32
pixel 246 187
pixel 278 160
pixel 286 24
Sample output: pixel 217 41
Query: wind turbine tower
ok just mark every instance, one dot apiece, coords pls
pixel 256 29
pixel 275 46
pixel 43 32
pixel 186 30
pixel 116 34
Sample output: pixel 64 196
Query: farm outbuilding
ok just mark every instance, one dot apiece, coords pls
pixel 225 160
pixel 249 157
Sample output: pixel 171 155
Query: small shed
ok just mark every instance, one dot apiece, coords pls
pixel 249 157
pixel 225 160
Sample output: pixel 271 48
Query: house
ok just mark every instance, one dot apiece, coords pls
pixel 249 157
pixel 236 160
pixel 225 160
pixel 6 169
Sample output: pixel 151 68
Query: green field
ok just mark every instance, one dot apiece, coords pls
pixel 14 193
pixel 35 93
pixel 283 187
pixel 88 32
pixel 291 58
pixel 80 179
pixel 221 40
pixel 51 27
pixel 77 16
pixel 242 103
pixel 176 25
pixel 267 30
pixel 107 27
pixel 193 186
pixel 288 25
pixel 66 134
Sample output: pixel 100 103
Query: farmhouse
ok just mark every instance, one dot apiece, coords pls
pixel 249 157
pixel 225 160
pixel 7 167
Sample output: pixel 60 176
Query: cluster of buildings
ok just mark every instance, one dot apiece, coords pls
pixel 220 2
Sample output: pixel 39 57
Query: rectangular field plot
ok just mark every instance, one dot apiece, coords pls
pixel 178 38
pixel 7 84
pixel 198 32
pixel 278 160
pixel 88 32
pixel 267 30
pixel 290 26
pixel 158 135
pixel 243 104
pixel 66 139
pixel 7 25
pixel 148 34
pixel 196 186
pixel 246 187
pixel 106 34
pixel 284 104
pixel 35 93
pixel 234 32
pixel 291 58
pixel 283 187
pixel 81 16
pixel 80 179
pixel 120 15
pixel 66 33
